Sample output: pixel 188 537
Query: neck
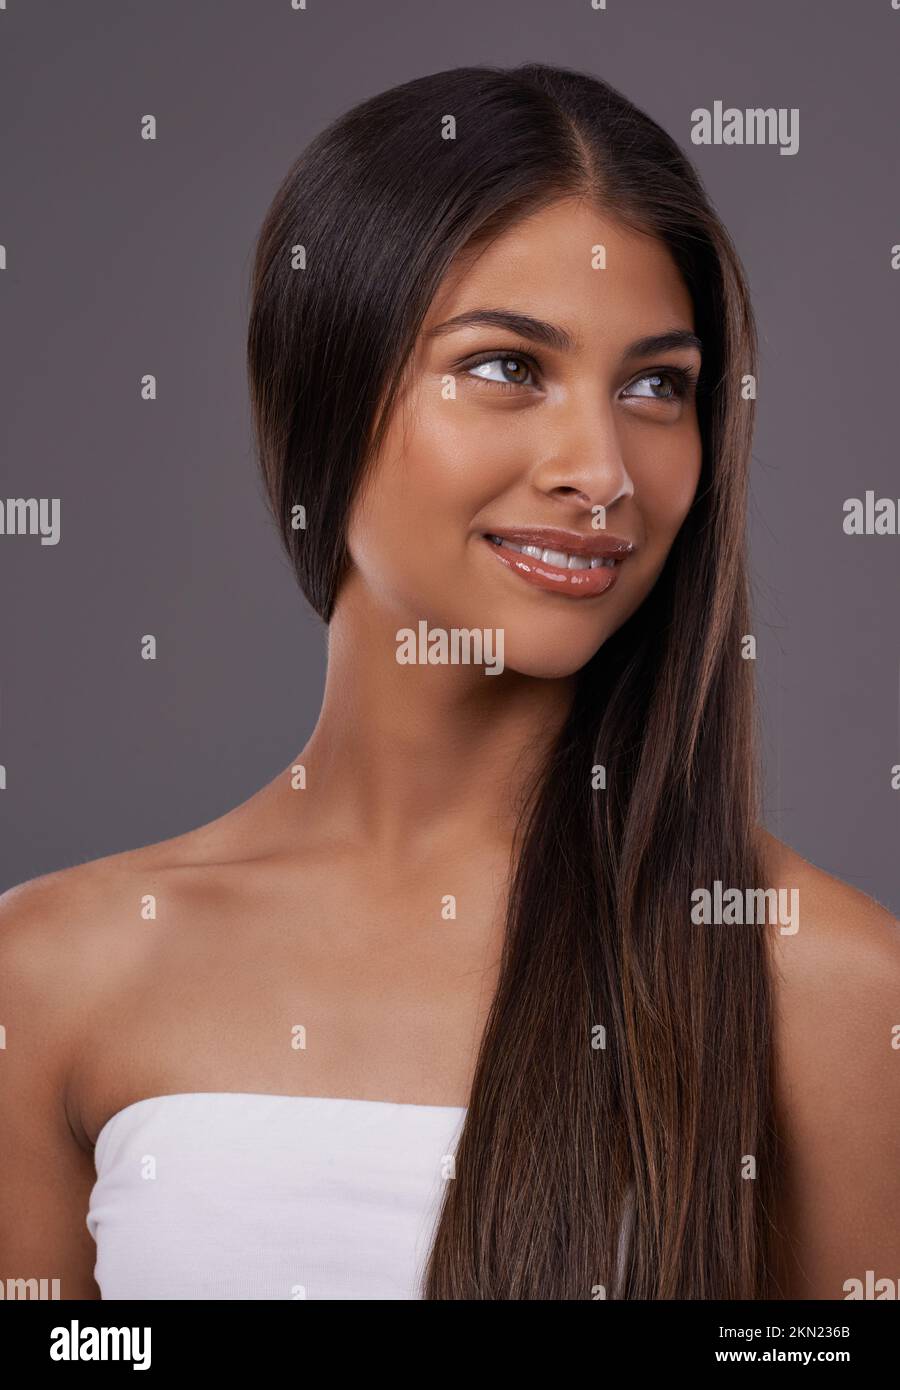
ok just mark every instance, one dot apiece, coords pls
pixel 418 756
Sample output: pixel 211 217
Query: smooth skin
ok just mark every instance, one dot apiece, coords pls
pixel 322 907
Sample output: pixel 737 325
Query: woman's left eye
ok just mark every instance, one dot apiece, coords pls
pixel 505 371
pixel 675 384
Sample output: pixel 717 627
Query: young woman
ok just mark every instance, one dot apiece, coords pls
pixel 435 1013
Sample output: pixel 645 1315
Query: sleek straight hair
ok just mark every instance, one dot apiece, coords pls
pixel 620 1138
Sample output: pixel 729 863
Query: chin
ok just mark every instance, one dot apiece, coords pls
pixel 548 656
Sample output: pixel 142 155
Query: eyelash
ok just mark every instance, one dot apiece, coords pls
pixel 684 379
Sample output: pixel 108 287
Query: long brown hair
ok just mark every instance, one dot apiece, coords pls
pixel 619 1138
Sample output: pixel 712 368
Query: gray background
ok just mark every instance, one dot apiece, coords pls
pixel 126 257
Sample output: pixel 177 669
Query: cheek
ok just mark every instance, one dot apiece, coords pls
pixel 665 485
pixel 439 468
pixel 460 459
pixel 424 489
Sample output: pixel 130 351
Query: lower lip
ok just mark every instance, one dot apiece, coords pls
pixel 569 583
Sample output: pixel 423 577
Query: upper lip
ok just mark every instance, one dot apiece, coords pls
pixel 598 543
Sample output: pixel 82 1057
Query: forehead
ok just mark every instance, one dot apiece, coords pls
pixel 544 265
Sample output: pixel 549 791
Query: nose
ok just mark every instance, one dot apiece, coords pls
pixel 584 465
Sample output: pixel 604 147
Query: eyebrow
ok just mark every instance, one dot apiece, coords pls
pixel 552 336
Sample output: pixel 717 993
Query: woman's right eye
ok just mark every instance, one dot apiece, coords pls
pixel 503 370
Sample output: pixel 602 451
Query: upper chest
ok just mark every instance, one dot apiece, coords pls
pixel 336 983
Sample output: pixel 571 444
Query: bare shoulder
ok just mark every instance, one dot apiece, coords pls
pixel 95 899
pixel 68 936
pixel 838 970
pixel 837 1051
pixel 75 914
pixel 839 927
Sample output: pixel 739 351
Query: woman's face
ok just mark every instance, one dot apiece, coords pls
pixel 558 430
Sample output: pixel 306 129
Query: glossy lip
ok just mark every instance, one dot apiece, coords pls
pixel 597 544
pixel 569 583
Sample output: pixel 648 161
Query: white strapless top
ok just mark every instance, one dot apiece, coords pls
pixel 220 1194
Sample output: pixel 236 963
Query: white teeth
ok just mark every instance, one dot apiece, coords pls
pixel 560 558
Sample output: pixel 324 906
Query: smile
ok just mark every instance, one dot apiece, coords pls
pixel 558 558
pixel 565 563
